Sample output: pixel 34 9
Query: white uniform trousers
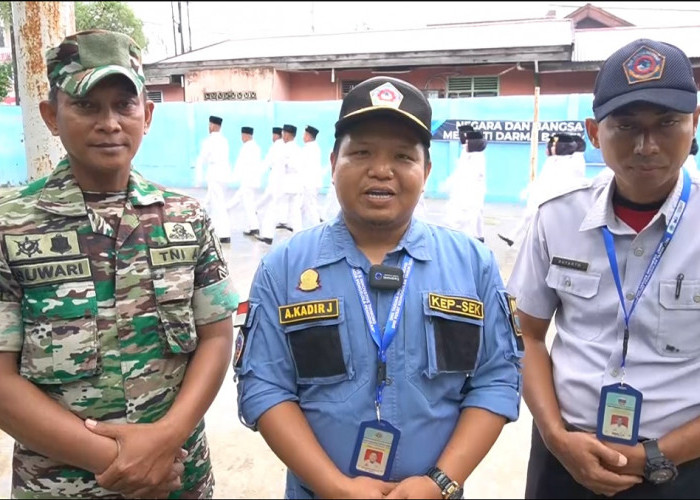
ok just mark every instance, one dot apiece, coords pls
pixel 215 205
pixel 245 199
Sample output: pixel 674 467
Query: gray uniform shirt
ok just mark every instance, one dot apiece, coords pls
pixel 563 269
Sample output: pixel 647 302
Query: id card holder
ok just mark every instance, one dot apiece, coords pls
pixel 375 449
pixel 618 414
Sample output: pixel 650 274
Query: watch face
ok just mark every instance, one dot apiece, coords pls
pixel 456 493
pixel 661 476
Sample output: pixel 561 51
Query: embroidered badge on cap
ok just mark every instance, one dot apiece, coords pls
pixel 307 311
pixel 386 95
pixel 644 65
pixel 309 281
pixel 456 305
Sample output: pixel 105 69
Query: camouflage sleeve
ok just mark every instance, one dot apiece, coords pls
pixel 11 331
pixel 215 297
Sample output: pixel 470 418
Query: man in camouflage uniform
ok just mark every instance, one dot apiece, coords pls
pixel 115 300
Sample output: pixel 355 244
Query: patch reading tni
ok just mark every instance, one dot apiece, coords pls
pixel 570 263
pixel 456 305
pixel 168 256
pixel 308 311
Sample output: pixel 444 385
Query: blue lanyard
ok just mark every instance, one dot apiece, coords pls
pixel 392 322
pixel 656 258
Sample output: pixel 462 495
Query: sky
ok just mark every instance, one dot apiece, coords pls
pixel 213 22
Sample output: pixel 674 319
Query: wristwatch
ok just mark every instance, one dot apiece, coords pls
pixel 448 488
pixel 658 469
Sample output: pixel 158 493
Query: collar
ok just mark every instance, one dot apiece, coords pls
pixel 602 212
pixel 337 243
pixel 62 195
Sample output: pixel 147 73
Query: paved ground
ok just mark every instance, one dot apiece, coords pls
pixel 244 465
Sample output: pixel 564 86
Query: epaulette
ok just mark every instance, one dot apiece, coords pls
pixel 9 193
pixel 16 192
pixel 576 185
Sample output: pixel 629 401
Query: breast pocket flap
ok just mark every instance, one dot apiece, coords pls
pixel 581 284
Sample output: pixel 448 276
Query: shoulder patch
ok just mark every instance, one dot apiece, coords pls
pixel 179 231
pixel 240 325
pixel 515 321
pixel 18 192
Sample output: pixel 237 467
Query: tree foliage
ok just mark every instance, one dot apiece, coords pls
pixel 5 13
pixel 5 66
pixel 5 79
pixel 113 16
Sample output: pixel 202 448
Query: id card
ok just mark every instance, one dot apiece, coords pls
pixel 618 414
pixel 375 449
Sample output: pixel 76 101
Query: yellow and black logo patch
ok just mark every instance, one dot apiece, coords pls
pixel 52 272
pixel 308 311
pixel 309 281
pixel 42 246
pixel 169 256
pixel 461 306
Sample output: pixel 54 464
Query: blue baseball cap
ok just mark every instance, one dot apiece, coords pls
pixel 645 71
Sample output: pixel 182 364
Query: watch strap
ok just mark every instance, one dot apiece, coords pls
pixel 448 487
pixel 651 448
pixel 657 461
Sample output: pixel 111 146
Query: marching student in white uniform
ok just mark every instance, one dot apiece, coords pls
pixel 311 174
pixel 213 165
pixel 558 173
pixel 247 171
pixel 287 196
pixel 466 186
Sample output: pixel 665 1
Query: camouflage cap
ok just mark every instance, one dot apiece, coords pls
pixel 85 58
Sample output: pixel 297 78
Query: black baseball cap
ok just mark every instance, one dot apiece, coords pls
pixel 647 71
pixel 388 96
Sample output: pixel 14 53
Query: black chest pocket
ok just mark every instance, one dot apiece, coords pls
pixel 456 344
pixel 448 352
pixel 325 356
pixel 318 352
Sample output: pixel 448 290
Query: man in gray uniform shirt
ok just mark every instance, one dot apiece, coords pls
pixel 615 263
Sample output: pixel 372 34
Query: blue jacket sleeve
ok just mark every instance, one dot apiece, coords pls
pixel 496 382
pixel 267 374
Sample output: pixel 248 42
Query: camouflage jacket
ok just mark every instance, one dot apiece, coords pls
pixel 105 317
